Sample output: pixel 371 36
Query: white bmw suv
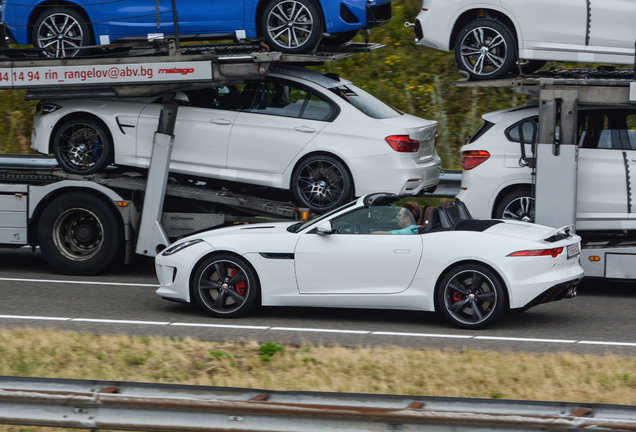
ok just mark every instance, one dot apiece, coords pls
pixel 497 183
pixel 489 36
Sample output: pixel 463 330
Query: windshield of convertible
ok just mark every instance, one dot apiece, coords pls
pixel 386 217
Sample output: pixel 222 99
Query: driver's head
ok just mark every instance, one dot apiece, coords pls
pixel 408 214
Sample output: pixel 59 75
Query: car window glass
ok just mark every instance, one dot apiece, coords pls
pixel 366 220
pixel 229 97
pixel 529 131
pixel 317 109
pixel 275 98
pixel 225 97
pixel 365 102
pixel 603 129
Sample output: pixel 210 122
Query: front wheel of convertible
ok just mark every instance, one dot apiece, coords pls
pixel 471 296
pixel 225 285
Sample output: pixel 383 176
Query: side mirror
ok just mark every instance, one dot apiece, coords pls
pixel 324 229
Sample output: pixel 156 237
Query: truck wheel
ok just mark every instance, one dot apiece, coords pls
pixel 60 32
pixel 80 234
pixel 292 26
pixel 321 183
pixel 518 205
pixel 485 49
pixel 82 146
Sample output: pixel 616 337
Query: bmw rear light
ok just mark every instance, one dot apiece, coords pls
pixel 473 158
pixel 403 143
pixel 553 252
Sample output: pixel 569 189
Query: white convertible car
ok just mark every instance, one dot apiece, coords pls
pixel 472 271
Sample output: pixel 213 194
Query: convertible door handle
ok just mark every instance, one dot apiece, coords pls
pixel 401 251
pixel 306 129
pixel 222 122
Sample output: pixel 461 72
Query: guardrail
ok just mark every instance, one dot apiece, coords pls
pixel 86 404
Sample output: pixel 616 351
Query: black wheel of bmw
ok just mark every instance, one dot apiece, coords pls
pixel 485 49
pixel 322 183
pixel 61 32
pixel 82 146
pixel 292 26
pixel 225 285
pixel 471 296
pixel 518 205
pixel 81 234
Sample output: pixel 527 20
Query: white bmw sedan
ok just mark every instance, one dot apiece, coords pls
pixel 336 261
pixel 315 134
pixel 489 37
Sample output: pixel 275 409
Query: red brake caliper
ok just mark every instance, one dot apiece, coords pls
pixel 457 296
pixel 240 286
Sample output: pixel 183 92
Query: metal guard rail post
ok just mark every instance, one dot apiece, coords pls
pixel 88 404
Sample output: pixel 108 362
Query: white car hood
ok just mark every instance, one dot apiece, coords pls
pixel 251 229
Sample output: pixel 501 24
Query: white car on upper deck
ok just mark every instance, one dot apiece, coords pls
pixel 315 134
pixel 489 36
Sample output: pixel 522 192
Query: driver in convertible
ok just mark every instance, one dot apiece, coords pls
pixel 407 219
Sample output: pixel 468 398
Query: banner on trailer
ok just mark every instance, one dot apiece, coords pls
pixel 108 74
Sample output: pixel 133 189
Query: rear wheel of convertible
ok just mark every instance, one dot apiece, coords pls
pixel 80 233
pixel 471 296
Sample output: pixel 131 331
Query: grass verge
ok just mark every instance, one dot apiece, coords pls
pixel 392 370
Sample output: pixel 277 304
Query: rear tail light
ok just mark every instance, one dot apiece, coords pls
pixel 403 143
pixel 553 252
pixel 473 158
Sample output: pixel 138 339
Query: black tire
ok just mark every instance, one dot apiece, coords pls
pixel 485 49
pixel 471 296
pixel 292 26
pixel 321 183
pixel 82 146
pixel 80 234
pixel 518 205
pixel 339 38
pixel 225 285
pixel 61 32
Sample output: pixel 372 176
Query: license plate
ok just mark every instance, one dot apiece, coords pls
pixel 573 250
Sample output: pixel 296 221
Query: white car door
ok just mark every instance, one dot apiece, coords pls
pixel 612 27
pixel 202 129
pixel 548 24
pixel 350 263
pixel 281 121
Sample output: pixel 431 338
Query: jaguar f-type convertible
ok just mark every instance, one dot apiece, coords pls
pixel 471 271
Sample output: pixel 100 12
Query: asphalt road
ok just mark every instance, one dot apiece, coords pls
pixel 599 320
